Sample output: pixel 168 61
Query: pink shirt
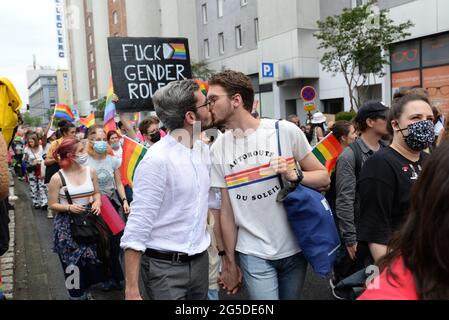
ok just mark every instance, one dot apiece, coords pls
pixel 389 289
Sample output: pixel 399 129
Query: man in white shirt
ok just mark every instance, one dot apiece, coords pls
pixel 245 166
pixel 166 234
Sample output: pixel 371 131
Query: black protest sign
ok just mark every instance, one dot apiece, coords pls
pixel 140 66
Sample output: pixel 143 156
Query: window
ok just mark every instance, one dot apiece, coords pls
pixel 94 91
pixel 238 37
pixel 221 43
pixel 204 8
pixel 115 17
pixel 243 2
pixel 92 74
pixel 91 56
pixel 90 39
pixel 356 3
pixel 89 22
pixel 220 8
pixel 256 29
pixel 206 49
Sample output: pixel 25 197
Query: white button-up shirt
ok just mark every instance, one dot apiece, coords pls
pixel 169 210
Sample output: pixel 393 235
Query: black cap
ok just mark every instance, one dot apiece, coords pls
pixel 371 109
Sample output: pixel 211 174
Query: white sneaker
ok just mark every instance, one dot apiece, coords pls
pixel 49 214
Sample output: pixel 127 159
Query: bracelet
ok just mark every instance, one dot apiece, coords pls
pixel 221 253
pixel 124 199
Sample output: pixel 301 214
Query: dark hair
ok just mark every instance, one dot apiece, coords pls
pixel 145 124
pixel 233 83
pixel 111 133
pixel 341 129
pixel 423 241
pixel 401 99
pixel 255 114
pixel 65 126
pixel 312 130
pixel 173 101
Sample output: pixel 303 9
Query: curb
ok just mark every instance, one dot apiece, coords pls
pixel 7 260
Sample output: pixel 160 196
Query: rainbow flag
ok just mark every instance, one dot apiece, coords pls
pixel 328 151
pixel 63 111
pixel 133 153
pixel 135 118
pixel 180 51
pixel 204 86
pixel 109 112
pixel 88 121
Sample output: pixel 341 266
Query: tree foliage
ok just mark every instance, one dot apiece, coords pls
pixel 201 71
pixel 356 44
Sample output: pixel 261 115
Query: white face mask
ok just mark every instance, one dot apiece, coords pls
pixel 81 159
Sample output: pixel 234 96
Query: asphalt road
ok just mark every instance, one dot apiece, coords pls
pixel 39 275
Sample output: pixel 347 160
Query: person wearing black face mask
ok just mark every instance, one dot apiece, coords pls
pixel 149 128
pixel 388 176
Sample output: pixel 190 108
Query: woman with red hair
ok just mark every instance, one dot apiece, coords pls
pixel 82 187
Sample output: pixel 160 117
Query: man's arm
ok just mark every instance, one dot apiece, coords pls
pixel 315 174
pixel 345 186
pixel 231 276
pixel 132 268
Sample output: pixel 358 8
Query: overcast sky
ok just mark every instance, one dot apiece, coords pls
pixel 27 27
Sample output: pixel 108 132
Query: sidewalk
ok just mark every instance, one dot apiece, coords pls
pixel 7 260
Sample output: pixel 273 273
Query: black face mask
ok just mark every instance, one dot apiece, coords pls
pixel 155 137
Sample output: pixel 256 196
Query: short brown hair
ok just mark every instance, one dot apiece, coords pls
pixel 145 124
pixel 235 83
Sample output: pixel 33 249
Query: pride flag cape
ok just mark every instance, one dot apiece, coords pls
pixel 88 121
pixel 133 153
pixel 63 111
pixel 328 151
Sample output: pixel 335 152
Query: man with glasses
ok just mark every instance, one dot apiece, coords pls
pixel 245 166
pixel 372 126
pixel 166 235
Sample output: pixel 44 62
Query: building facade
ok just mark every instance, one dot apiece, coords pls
pixel 228 30
pixel 42 92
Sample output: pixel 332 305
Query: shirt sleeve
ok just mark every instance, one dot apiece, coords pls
pixel 376 202
pixel 149 185
pixel 345 188
pixel 300 146
pixel 217 172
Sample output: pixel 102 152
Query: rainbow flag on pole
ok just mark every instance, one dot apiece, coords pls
pixel 88 121
pixel 109 112
pixel 63 111
pixel 133 153
pixel 328 151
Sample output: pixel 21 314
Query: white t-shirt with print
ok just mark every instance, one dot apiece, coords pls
pixel 242 166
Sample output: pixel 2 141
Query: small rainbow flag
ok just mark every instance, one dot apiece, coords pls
pixel 133 153
pixel 109 112
pixel 180 51
pixel 328 151
pixel 63 111
pixel 204 86
pixel 2 297
pixel 88 121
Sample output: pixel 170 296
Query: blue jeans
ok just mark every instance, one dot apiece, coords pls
pixel 281 279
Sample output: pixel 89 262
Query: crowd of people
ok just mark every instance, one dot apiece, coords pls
pixel 202 212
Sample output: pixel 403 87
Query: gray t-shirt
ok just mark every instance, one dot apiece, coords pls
pixel 105 173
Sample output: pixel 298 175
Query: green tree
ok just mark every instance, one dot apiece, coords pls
pixel 356 44
pixel 36 121
pixel 201 71
pixel 27 119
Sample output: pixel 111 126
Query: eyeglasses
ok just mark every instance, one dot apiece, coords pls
pixel 409 55
pixel 205 105
pixel 433 91
pixel 214 99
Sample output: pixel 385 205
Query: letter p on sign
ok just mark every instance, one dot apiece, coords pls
pixel 267 70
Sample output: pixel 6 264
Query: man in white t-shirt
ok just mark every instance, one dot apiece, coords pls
pixel 245 165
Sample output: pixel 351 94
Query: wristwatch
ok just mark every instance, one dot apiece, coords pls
pixel 221 253
pixel 300 177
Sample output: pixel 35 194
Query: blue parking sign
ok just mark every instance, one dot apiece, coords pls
pixel 267 70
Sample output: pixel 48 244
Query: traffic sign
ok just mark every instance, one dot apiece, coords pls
pixel 267 70
pixel 308 93
pixel 310 106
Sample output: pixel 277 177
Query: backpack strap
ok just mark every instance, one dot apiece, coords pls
pixel 358 159
pixel 279 150
pixel 64 185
